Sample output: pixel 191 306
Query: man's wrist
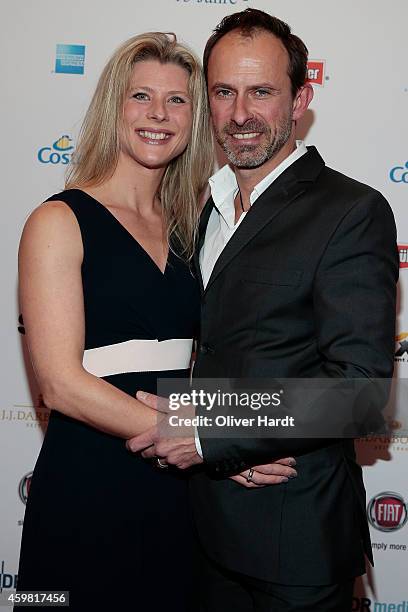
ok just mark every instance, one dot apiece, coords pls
pixel 198 443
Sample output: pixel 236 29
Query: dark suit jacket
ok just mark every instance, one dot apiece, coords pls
pixel 306 287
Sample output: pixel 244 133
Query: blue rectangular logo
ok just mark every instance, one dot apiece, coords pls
pixel 70 59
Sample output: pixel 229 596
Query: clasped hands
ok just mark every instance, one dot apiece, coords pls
pixel 181 451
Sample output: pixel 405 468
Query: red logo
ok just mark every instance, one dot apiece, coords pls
pixel 24 487
pixel 403 255
pixel 387 511
pixel 315 72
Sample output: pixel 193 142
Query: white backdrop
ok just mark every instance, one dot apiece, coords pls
pixel 358 121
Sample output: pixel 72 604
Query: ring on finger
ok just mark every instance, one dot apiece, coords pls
pixel 161 464
pixel 250 474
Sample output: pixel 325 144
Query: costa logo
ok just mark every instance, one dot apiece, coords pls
pixel 403 255
pixel 399 174
pixel 24 487
pixel 57 154
pixel 315 72
pixel 387 511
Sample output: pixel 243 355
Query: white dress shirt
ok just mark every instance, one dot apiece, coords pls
pixel 221 224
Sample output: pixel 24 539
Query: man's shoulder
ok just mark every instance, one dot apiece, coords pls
pixel 338 189
pixel 345 187
pixel 337 179
pixel 334 193
pixel 313 166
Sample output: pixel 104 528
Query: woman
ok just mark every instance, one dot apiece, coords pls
pixel 104 276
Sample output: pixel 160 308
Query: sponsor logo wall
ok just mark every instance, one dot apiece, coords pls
pixel 357 122
pixel 70 59
pixel 364 604
pixel 403 255
pixel 315 72
pixel 24 487
pixel 399 174
pixel 225 3
pixel 59 153
pixel 387 511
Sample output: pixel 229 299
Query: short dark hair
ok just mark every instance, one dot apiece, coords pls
pixel 251 21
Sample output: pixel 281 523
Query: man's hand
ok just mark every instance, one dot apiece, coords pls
pixel 182 452
pixel 267 474
pixel 178 451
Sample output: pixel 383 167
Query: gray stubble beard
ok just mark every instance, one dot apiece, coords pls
pixel 261 153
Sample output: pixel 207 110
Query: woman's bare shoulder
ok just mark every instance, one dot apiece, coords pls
pixel 52 222
pixel 51 212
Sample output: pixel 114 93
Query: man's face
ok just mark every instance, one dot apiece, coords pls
pixel 250 97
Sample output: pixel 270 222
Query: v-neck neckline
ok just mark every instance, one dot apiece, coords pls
pixel 130 235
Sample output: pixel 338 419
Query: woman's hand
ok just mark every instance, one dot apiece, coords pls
pixel 267 474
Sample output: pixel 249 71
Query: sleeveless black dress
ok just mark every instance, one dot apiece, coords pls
pixel 102 523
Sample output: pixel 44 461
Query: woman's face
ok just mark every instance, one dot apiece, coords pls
pixel 157 114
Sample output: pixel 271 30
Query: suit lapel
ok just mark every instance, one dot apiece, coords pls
pixel 288 186
pixel 205 216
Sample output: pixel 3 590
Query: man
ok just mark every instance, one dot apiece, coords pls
pixel 298 267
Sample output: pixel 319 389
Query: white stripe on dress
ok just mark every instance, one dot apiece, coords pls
pixel 139 356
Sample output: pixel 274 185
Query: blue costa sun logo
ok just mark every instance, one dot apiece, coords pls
pixel 59 153
pixel 399 174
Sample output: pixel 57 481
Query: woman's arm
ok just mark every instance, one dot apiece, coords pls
pixel 51 298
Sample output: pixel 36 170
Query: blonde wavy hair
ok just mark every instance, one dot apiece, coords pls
pixel 98 147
